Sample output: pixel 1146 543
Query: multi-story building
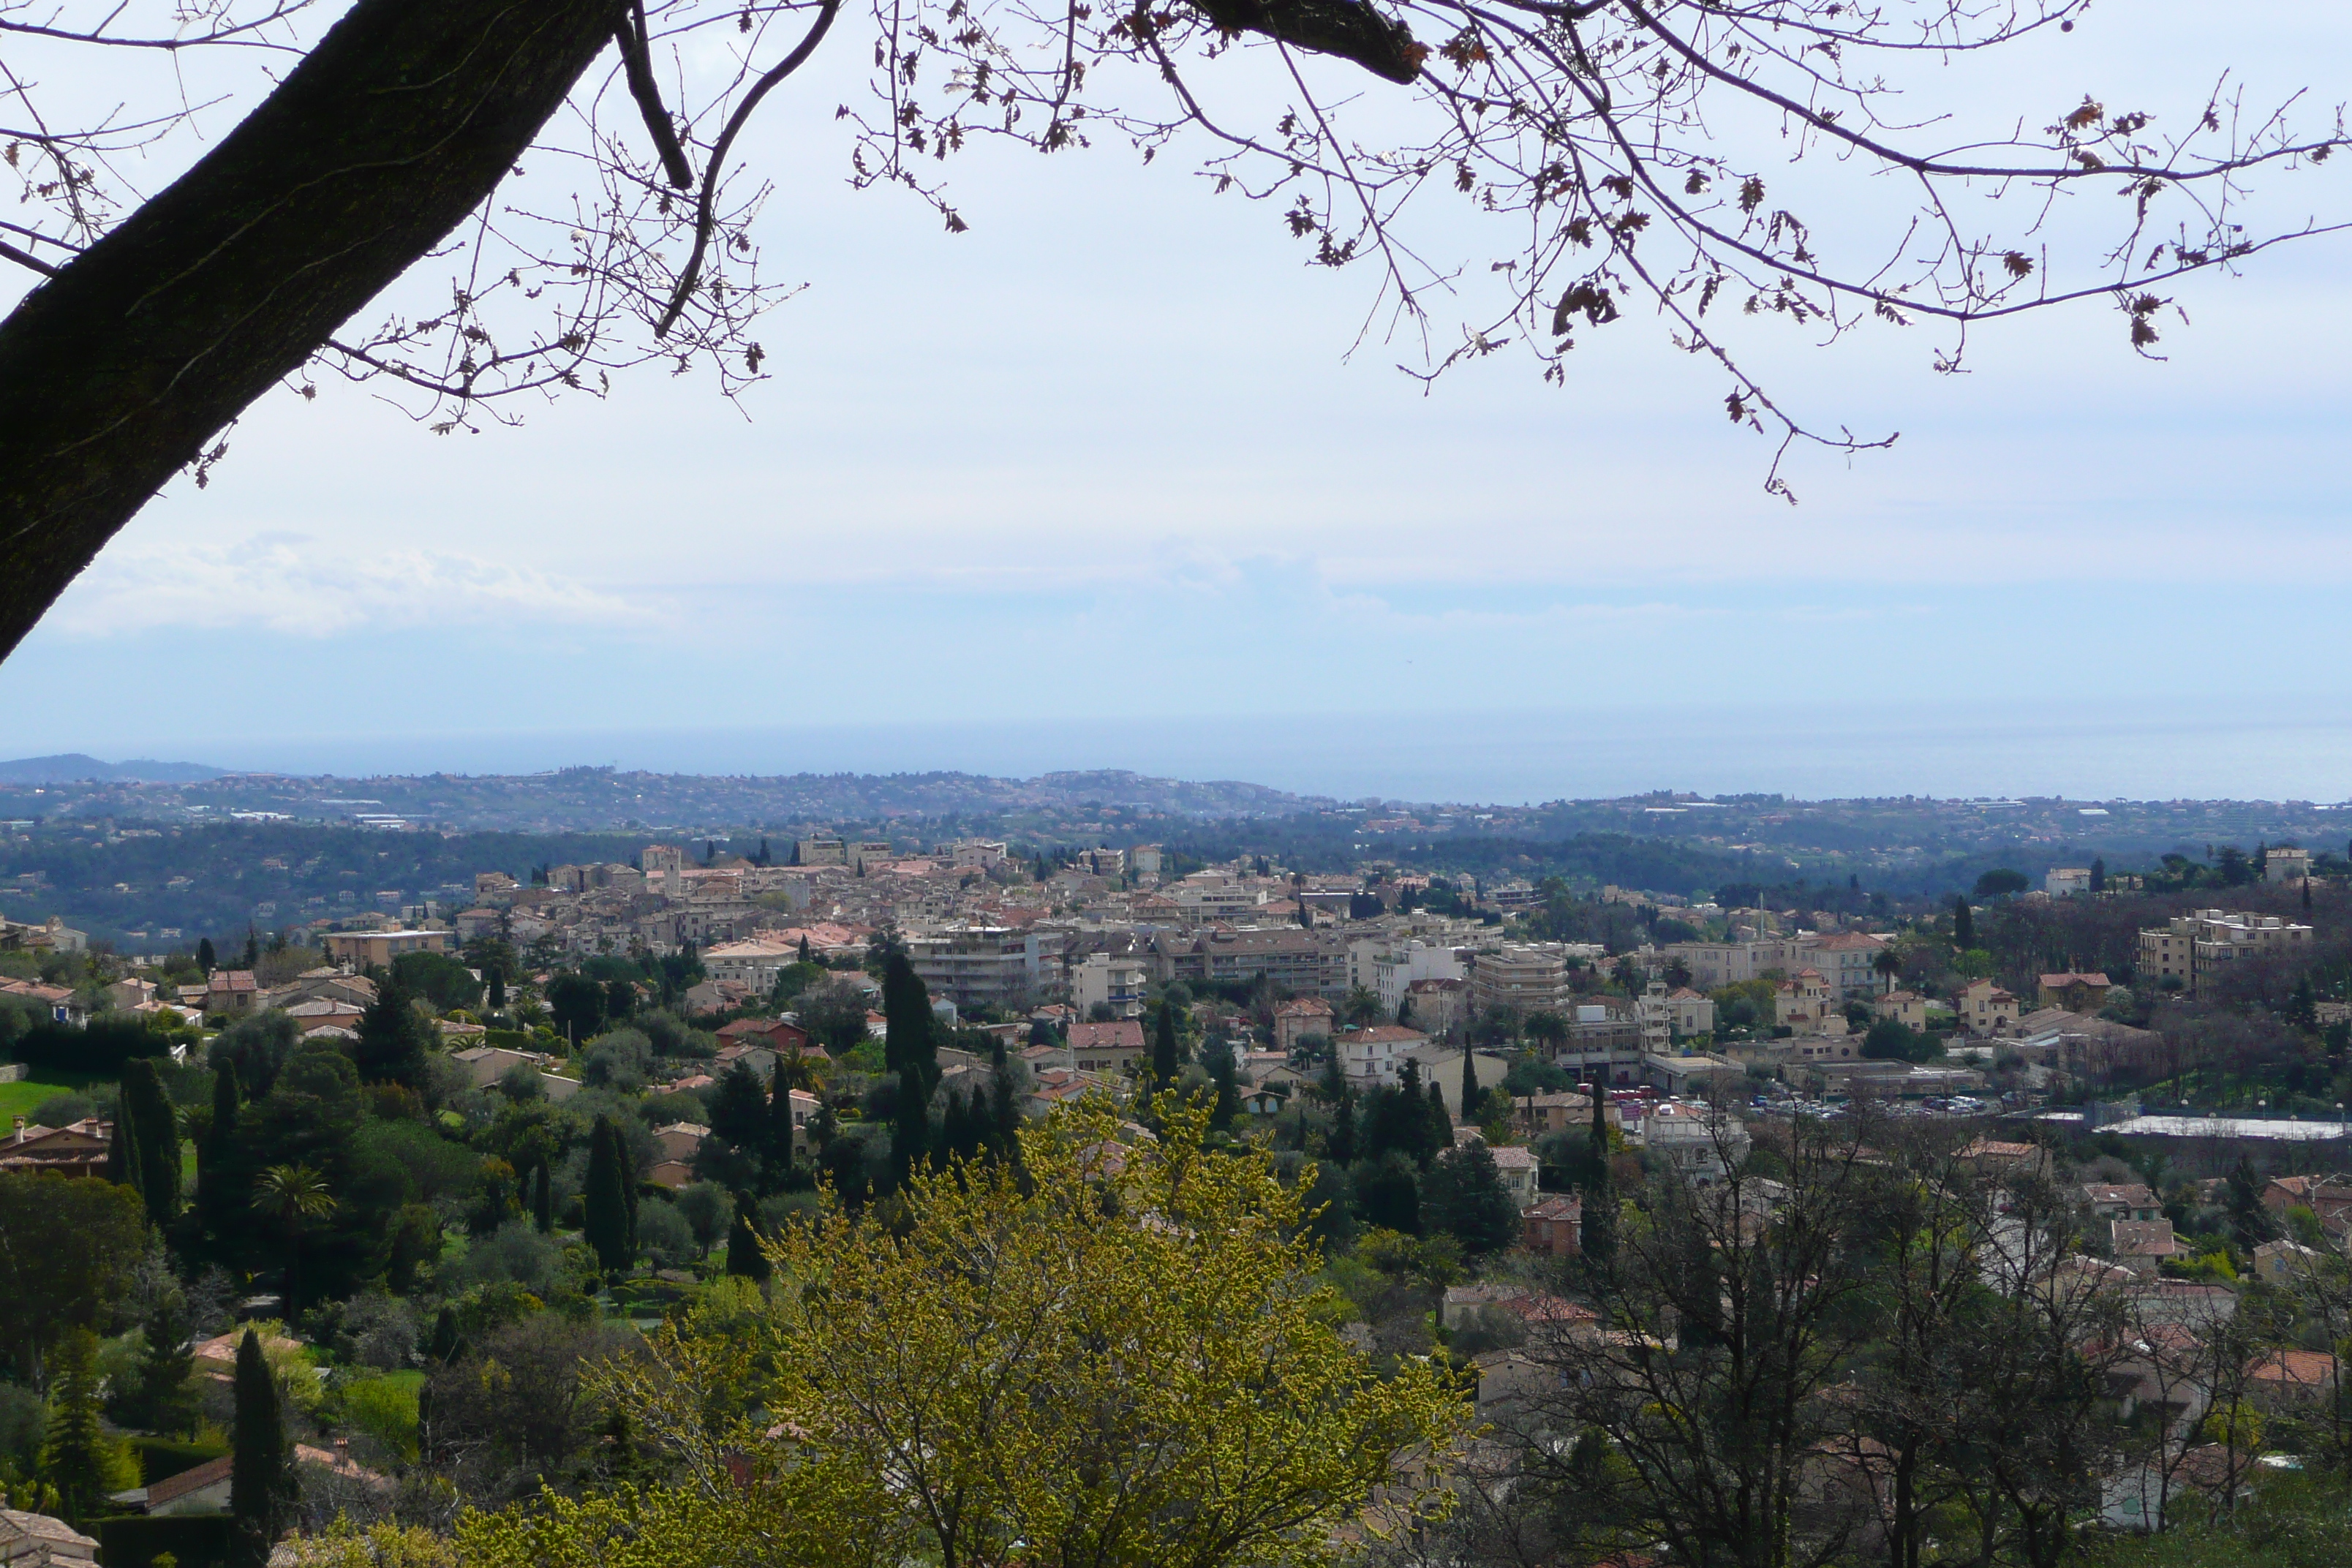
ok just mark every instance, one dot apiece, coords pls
pixel 1436 1006
pixel 1301 962
pixel 989 966
pixel 1103 980
pixel 1848 960
pixel 1372 1058
pixel 2066 881
pixel 2194 947
pixel 822 850
pixel 1715 964
pixel 1216 896
pixel 1984 1008
pixel 1389 968
pixel 2286 864
pixel 361 948
pixel 1524 980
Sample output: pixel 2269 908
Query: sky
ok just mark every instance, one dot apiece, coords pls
pixel 1101 483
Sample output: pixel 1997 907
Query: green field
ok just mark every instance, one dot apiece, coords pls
pixel 19 1099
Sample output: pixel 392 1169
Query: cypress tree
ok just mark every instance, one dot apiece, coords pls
pixel 155 1135
pixel 744 1258
pixel 447 1344
pixel 1342 1143
pixel 252 948
pixel 908 1039
pixel 122 1147
pixel 543 1201
pixel 1441 1122
pixel 910 1126
pixel 1229 1098
pixel 498 993
pixel 1469 1084
pixel 1964 923
pixel 259 1482
pixel 1164 1059
pixel 606 1200
pixel 2099 874
pixel 206 959
pixel 780 1125
pixel 219 1194
pixel 1005 1135
pixel 1600 1188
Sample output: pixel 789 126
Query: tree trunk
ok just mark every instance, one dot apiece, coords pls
pixel 120 370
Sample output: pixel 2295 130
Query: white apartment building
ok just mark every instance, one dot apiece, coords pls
pixel 755 962
pixel 989 966
pixel 1372 1058
pixel 1104 981
pixel 1216 895
pixel 2066 881
pixel 1389 968
pixel 977 854
pixel 1528 979
pixel 2194 946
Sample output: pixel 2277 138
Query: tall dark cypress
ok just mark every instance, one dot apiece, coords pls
pixel 1469 1084
pixel 122 1147
pixel 606 1200
pixel 206 959
pixel 1342 1144
pixel 498 994
pixel 1441 1122
pixel 1600 1188
pixel 1164 1059
pixel 155 1134
pixel 744 1258
pixel 1005 1103
pixel 780 1126
pixel 220 1196
pixel 260 1481
pixel 1964 923
pixel 910 1037
pixel 910 1127
pixel 1229 1098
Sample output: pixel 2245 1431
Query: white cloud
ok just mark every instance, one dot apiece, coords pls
pixel 293 586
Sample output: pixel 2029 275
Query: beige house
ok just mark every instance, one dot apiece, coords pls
pixel 2199 944
pixel 1807 1005
pixel 1984 1008
pixel 1297 1018
pixel 1907 1008
pixel 361 949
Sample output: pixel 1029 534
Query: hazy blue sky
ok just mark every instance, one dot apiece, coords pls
pixel 1106 461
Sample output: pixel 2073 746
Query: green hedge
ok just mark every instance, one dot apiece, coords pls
pixel 197 1540
pixel 160 1458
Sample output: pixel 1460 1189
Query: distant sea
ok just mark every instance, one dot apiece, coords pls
pixel 2093 752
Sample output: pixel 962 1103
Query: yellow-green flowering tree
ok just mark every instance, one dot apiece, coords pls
pixel 1115 1353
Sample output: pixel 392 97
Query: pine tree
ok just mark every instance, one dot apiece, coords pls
pixel 167 1360
pixel 1601 1184
pixel 154 1130
pixel 606 1200
pixel 260 1483
pixel 543 1201
pixel 1464 1194
pixel 207 959
pixel 1964 923
pixel 744 1258
pixel 78 1459
pixel 392 1043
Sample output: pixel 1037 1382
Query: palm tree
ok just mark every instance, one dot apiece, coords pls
pixel 293 1194
pixel 1889 964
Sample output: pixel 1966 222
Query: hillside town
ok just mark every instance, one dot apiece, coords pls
pixel 394 1149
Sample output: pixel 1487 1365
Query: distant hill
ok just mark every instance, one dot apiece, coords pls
pixel 73 767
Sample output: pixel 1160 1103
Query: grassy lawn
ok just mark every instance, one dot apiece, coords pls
pixel 19 1099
